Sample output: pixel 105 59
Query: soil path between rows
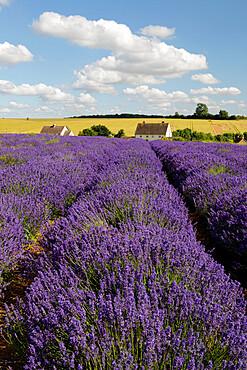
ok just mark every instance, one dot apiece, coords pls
pixel 220 254
pixel 16 289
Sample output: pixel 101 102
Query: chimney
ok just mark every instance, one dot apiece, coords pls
pixel 54 125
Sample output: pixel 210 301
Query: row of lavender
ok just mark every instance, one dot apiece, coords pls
pixel 214 178
pixel 123 283
pixel 40 178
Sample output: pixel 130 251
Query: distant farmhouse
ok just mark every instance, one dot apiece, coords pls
pixel 153 131
pixel 56 130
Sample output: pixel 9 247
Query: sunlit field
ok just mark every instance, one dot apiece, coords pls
pixel 25 126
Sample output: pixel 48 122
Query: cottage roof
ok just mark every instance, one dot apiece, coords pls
pixel 54 130
pixel 151 128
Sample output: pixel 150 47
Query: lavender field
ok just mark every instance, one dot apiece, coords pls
pixel 213 178
pixel 117 277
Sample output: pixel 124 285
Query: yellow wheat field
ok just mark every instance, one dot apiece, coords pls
pixel 25 126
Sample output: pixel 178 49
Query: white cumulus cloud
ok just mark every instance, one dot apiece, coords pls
pixel 155 98
pixel 158 31
pixel 224 102
pixel 216 91
pixel 49 93
pixel 205 100
pixel 156 94
pixel 11 54
pixel 134 60
pixel 86 98
pixel 205 78
pixel 16 105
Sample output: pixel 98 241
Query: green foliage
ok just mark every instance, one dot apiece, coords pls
pixel 101 130
pixel 120 133
pixel 188 134
pixel 223 114
pixel 87 132
pixel 8 160
pixel 219 169
pixel 221 138
pixel 237 138
pixel 201 110
pixel 185 133
pixel 52 141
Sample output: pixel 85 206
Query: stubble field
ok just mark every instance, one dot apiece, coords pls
pixel 25 126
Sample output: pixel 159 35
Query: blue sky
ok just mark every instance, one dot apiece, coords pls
pixel 65 58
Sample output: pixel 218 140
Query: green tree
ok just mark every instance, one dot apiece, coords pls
pixel 120 133
pixel 201 110
pixel 237 138
pixel 223 114
pixel 87 132
pixel 101 130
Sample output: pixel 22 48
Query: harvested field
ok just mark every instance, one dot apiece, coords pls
pixel 220 129
pixel 114 124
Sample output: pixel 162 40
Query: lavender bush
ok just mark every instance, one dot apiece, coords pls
pixel 123 284
pixel 40 178
pixel 214 178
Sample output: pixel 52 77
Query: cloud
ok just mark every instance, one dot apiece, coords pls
pixel 92 83
pixel 81 108
pixel 224 102
pixel 6 110
pixel 155 98
pixel 205 100
pixel 48 93
pixel 134 60
pixel 205 78
pixel 16 105
pixel 99 34
pixel 10 54
pixel 242 104
pixel 216 91
pixel 43 109
pixel 5 2
pixel 157 31
pixel 86 99
pixel 156 94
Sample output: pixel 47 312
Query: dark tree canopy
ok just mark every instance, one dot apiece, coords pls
pixel 101 130
pixel 87 132
pixel 120 133
pixel 223 114
pixel 201 110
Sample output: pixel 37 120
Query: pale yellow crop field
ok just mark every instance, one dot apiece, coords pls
pixel 25 126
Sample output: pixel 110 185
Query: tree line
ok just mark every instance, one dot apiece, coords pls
pixel 201 112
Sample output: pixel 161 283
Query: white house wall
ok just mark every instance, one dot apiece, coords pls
pixel 168 131
pixel 63 131
pixel 149 137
